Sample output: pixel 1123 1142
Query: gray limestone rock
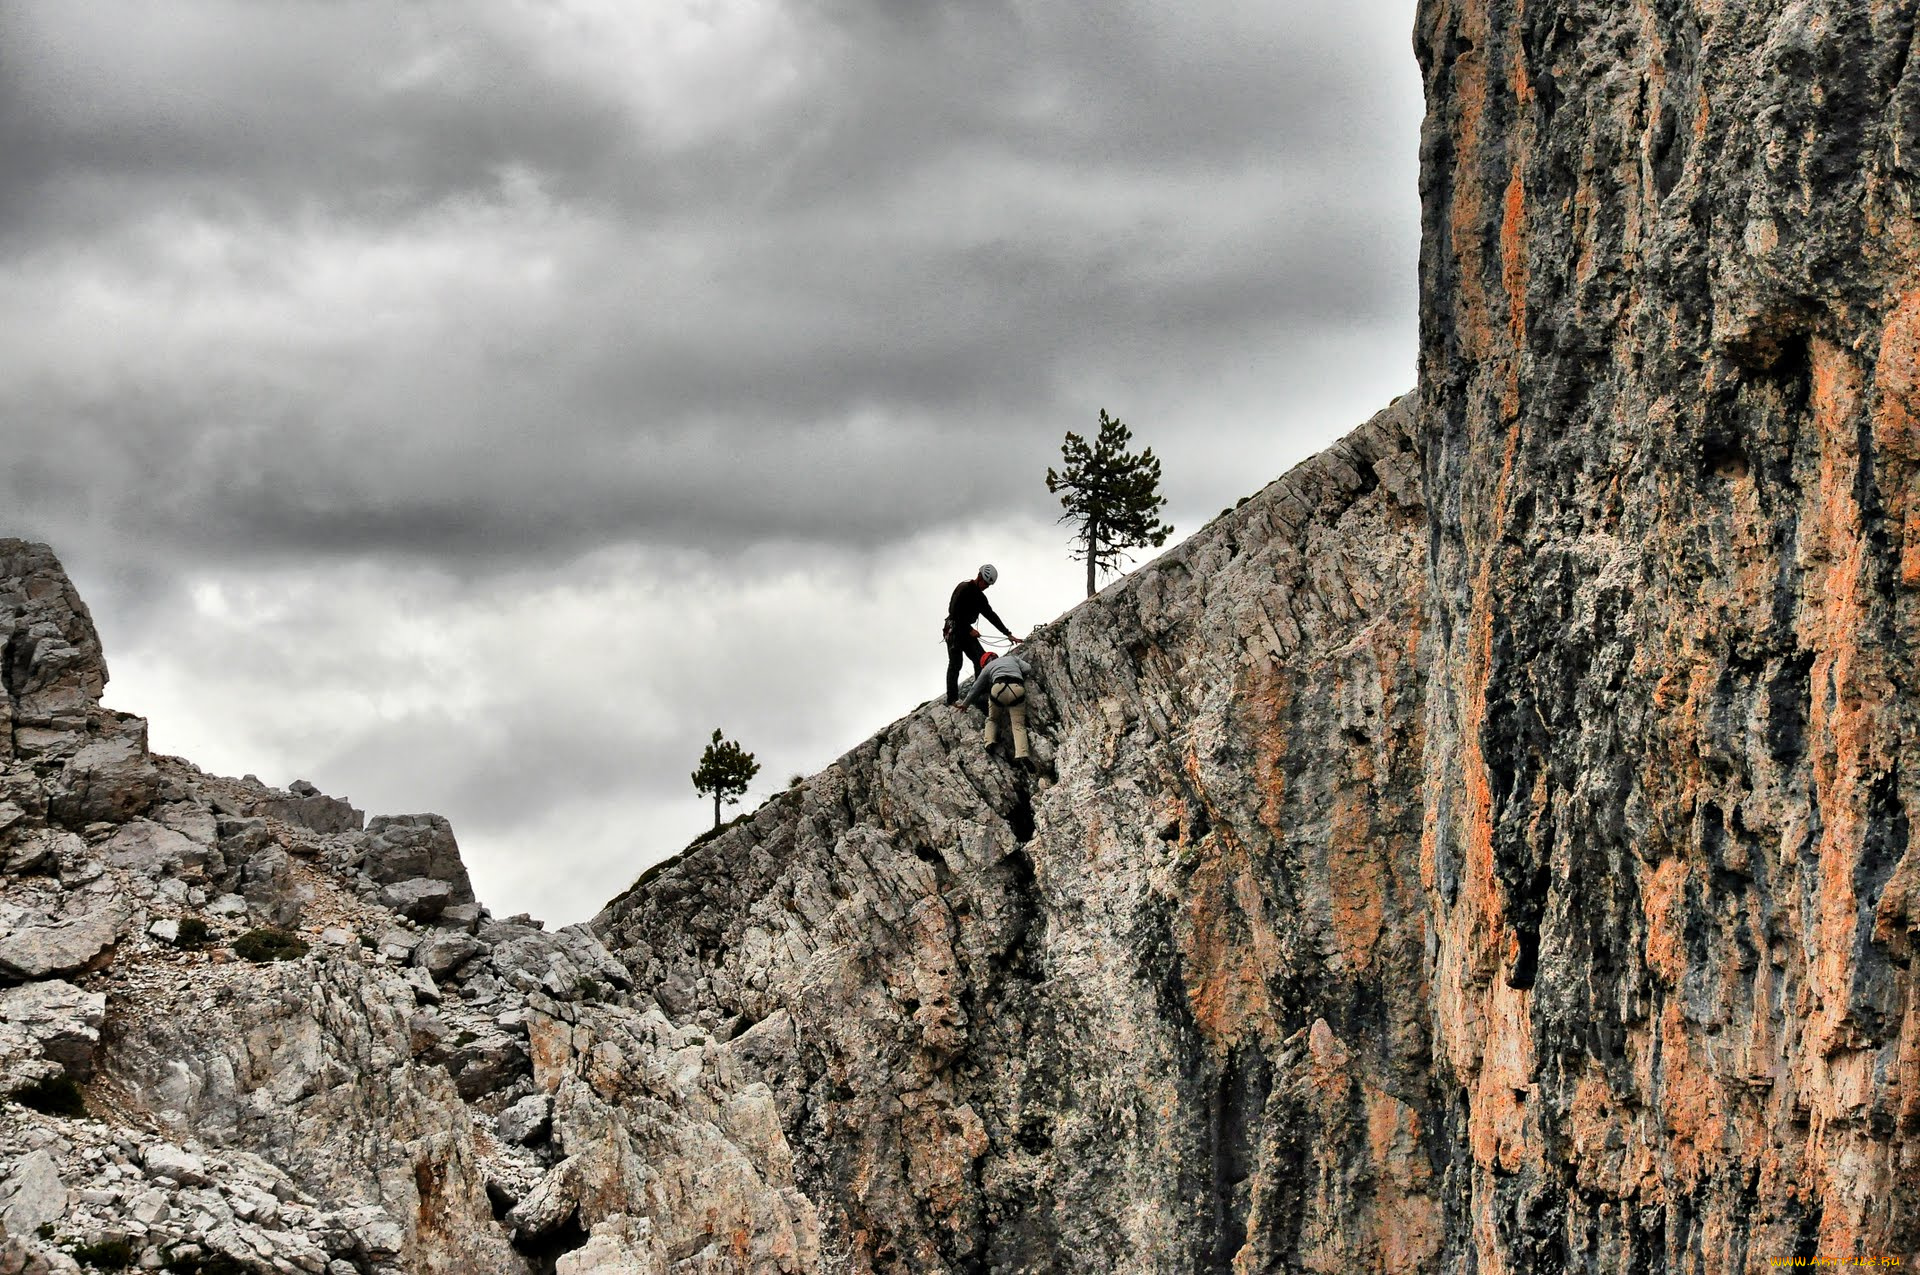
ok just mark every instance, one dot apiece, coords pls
pixel 425 990
pixel 152 849
pixel 440 954
pixel 398 945
pixel 311 1064
pixel 307 807
pixel 149 1208
pixel 53 1020
pixel 425 1032
pixel 1043 1023
pixel 19 1256
pixel 400 847
pixel 109 777
pixel 53 670
pixel 33 851
pixel 32 1195
pixel 568 962
pixel 418 898
pixel 528 1120
pixel 272 890
pixel 195 822
pixel 51 949
pixel 233 906
pixel 241 838
pixel 482 1062
pixel 460 916
pixel 164 1160
pixel 618 1245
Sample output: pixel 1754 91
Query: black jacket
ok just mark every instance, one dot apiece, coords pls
pixel 968 604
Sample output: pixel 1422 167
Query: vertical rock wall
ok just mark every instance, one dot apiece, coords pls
pixel 1670 316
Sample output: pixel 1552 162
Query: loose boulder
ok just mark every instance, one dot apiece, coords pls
pixel 404 847
pixel 33 1195
pixel 53 949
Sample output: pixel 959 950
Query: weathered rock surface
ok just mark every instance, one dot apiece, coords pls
pixel 1486 848
pixel 50 1022
pixel 52 669
pixel 33 1195
pixel 334 1111
pixel 308 807
pixel 400 848
pixel 47 948
pixel 1162 1009
pixel 1669 347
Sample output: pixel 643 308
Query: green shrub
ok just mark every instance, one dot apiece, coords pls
pixel 268 944
pixel 107 1255
pixel 194 932
pixel 54 1096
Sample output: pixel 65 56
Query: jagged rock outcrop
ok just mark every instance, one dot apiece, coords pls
pixel 92 763
pixel 1576 933
pixel 402 1083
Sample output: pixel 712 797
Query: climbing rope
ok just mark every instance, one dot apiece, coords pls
pixel 996 642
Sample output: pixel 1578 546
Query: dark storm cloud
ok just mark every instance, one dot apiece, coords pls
pixel 1162 87
pixel 110 107
pixel 458 283
pixel 378 110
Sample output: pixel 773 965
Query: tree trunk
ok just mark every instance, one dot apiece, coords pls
pixel 716 808
pixel 1093 555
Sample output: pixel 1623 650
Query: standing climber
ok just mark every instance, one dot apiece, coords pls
pixel 968 604
pixel 1002 684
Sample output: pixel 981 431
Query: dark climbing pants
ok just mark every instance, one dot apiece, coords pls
pixel 961 646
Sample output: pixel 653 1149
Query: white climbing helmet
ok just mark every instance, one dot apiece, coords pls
pixel 988 573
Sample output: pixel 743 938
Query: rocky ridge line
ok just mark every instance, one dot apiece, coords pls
pixel 1161 1009
pixel 401 1094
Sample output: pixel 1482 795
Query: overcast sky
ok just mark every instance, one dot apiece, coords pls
pixel 468 406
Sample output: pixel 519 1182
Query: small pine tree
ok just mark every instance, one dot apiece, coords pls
pixel 1112 494
pixel 725 771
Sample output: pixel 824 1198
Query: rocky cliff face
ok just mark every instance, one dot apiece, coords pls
pixel 1669 325
pixel 1164 1008
pixel 1484 849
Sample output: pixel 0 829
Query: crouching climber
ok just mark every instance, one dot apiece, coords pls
pixel 1000 687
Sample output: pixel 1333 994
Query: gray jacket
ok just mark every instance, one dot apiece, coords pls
pixel 1000 670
